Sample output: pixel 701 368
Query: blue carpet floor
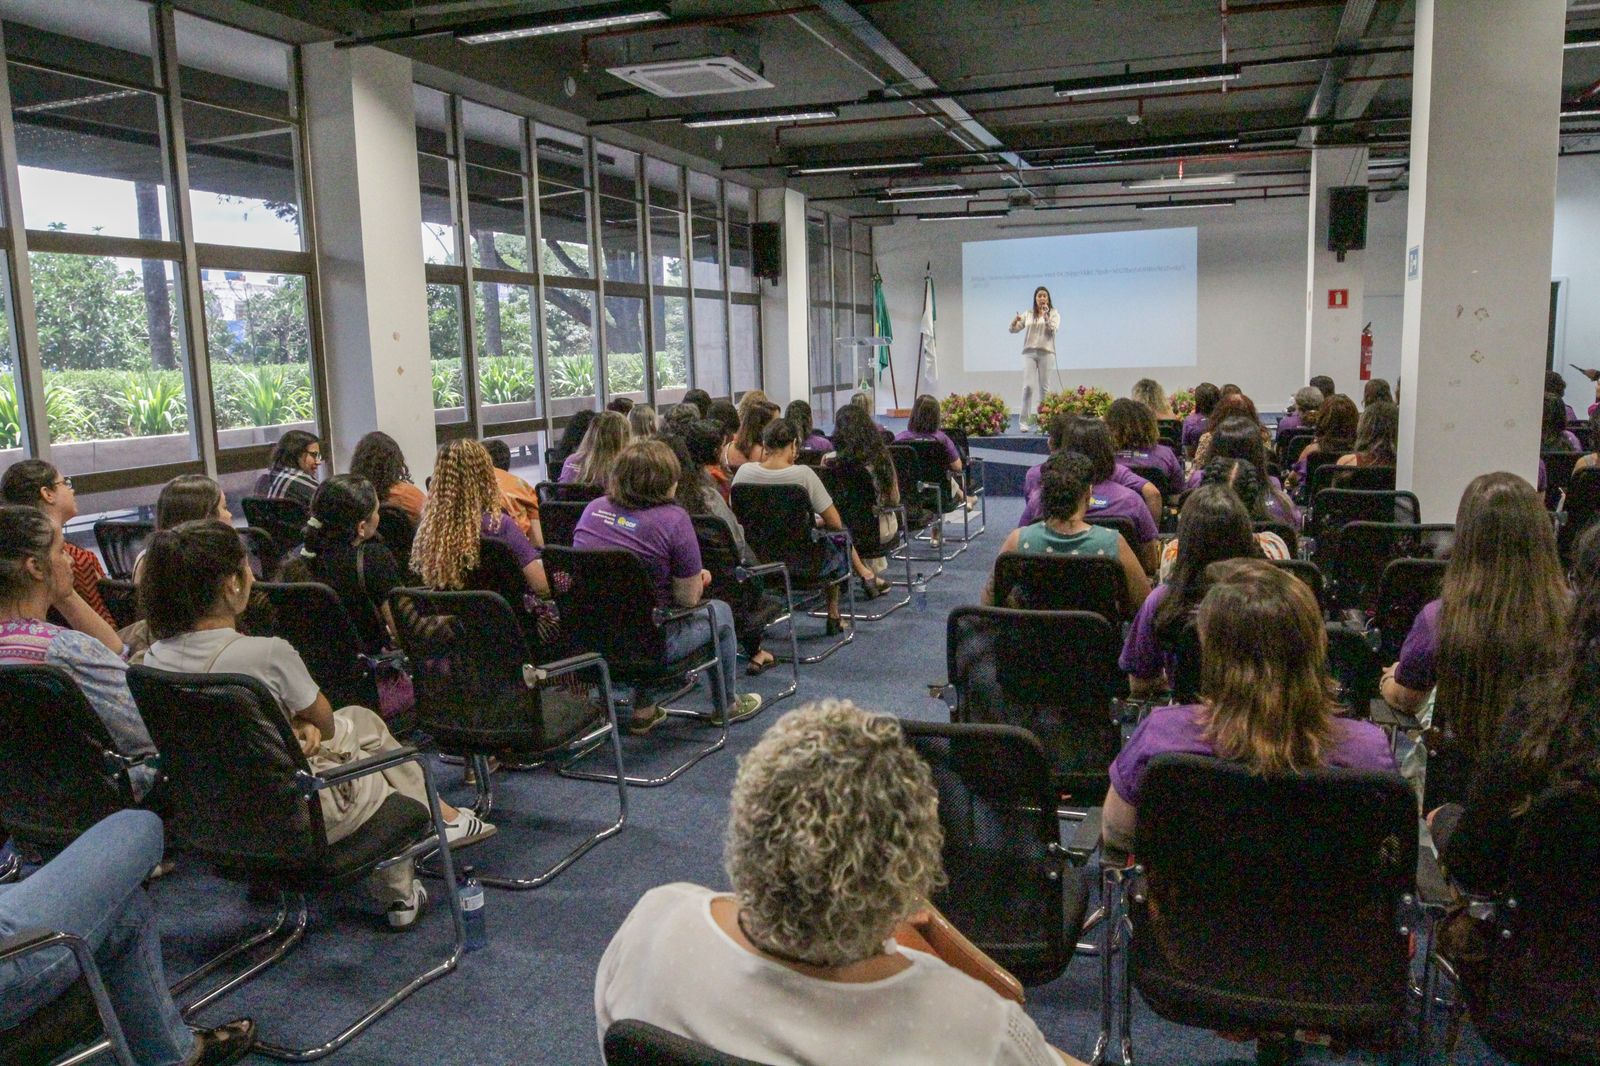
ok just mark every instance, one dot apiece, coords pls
pixel 529 997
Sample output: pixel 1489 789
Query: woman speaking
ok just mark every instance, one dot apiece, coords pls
pixel 1038 352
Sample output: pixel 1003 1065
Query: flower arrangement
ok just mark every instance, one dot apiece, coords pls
pixel 1182 403
pixel 977 414
pixel 1084 400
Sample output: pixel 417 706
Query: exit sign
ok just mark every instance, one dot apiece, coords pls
pixel 1338 299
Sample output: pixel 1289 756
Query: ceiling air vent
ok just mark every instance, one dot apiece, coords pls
pixel 692 77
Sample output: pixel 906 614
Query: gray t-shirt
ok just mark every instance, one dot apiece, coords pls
pixel 271 661
pixel 804 476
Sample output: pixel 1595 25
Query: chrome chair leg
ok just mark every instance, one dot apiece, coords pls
pixel 261 936
pixel 721 703
pixel 31 941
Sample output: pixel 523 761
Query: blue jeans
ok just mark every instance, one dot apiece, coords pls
pixel 684 637
pixel 93 891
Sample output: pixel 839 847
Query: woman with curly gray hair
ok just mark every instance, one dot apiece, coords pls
pixel 833 841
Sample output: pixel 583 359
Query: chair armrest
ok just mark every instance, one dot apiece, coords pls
pixel 662 615
pixel 27 941
pixel 1086 834
pixel 1432 888
pixel 748 573
pixel 373 764
pixel 532 675
pixel 1385 715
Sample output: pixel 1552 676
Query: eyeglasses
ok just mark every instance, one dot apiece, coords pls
pixel 315 457
pixel 65 482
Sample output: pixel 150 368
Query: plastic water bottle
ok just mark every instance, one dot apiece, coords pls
pixel 472 911
pixel 919 595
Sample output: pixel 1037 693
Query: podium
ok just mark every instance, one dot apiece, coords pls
pixel 860 354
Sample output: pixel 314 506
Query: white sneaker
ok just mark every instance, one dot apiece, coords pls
pixel 403 913
pixel 744 706
pixel 468 828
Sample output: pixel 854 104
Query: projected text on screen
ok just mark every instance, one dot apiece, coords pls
pixel 1126 299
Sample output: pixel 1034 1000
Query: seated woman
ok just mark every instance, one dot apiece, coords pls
pixel 571 440
pixel 1588 458
pixel 591 464
pixel 643 421
pixel 35 483
pixel 340 551
pixel 35 576
pixel 755 398
pixel 799 412
pixel 1302 413
pixel 196 585
pixel 1377 434
pixel 1376 390
pixel 1149 392
pixel 1267 700
pixel 745 447
pixel 464 511
pixel 1554 436
pixel 1550 735
pixel 1064 497
pixel 517 498
pixel 1241 478
pixel 833 842
pixel 1232 405
pixel 187 498
pixel 292 474
pixel 639 515
pixel 1137 438
pixel 1111 497
pixel 1335 431
pixel 1206 398
pixel 699 399
pixel 924 425
pixel 781 445
pixel 378 458
pixel 858 441
pixel 94 890
pixel 1501 618
pixel 1240 438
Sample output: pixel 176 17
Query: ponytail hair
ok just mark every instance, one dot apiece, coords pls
pixel 338 507
pixel 184 570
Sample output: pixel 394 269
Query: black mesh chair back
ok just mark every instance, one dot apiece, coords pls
pixel 281 519
pixel 397 531
pixel 1333 509
pixel 1404 588
pixel 1539 1001
pixel 922 501
pixel 1273 902
pixel 630 1042
pixel 1355 667
pixel 1366 548
pixel 607 606
pixel 1582 508
pixel 1185 664
pixel 1035 581
pixel 1334 476
pixel 719 554
pixel 1053 673
pixel 1171 431
pixel 1009 888
pixel 1558 474
pixel 467 673
pixel 1285 532
pixel 497 571
pixel 1125 526
pixel 59 770
pixel 571 492
pixel 809 457
pixel 259 549
pixel 777 521
pixel 558 519
pixel 1307 572
pixel 230 762
pixel 120 541
pixel 312 617
pixel 121 599
pixel 958 437
pixel 856 496
pixel 1290 447
pixel 1315 461
pixel 932 469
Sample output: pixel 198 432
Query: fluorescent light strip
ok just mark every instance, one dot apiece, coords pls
pixel 1152 79
pixel 1184 205
pixel 1582 39
pixel 569 20
pixel 1182 183
pixel 1593 112
pixel 948 216
pixel 923 197
pixel 751 118
pixel 912 190
pixel 845 168
pixel 1167 146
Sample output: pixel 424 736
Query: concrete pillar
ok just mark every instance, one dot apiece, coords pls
pixel 363 149
pixel 1485 103
pixel 786 306
pixel 1333 333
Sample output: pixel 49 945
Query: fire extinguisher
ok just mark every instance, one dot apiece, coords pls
pixel 1366 352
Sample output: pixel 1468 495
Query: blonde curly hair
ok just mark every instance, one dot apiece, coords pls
pixel 833 835
pixel 463 491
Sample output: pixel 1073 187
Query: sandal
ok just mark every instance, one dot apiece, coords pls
pixel 755 669
pixel 639 725
pixel 872 589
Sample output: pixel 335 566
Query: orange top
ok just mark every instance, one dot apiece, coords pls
pixel 408 497
pixel 518 500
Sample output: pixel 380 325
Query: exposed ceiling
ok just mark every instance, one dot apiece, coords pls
pixel 966 89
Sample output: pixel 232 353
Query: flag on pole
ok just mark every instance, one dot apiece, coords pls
pixel 929 359
pixel 880 320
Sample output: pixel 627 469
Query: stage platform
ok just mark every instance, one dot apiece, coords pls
pixel 1006 459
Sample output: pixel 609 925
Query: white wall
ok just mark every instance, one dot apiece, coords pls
pixel 1251 293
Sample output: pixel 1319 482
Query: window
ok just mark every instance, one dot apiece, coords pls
pixel 508 373
pixel 447 349
pixel 670 321
pixel 745 346
pixel 259 340
pixel 625 347
pixel 436 174
pixel 563 203
pixel 496 188
pixel 710 345
pixel 244 185
pixel 569 325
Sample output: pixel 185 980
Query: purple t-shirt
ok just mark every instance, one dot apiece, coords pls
pixel 1572 440
pixel 1142 654
pixel 1544 476
pixel 1108 499
pixel 1289 423
pixel 951 452
pixel 1194 426
pixel 569 469
pixel 818 443
pixel 1418 668
pixel 501 529
pixel 1160 455
pixel 662 537
pixel 1280 508
pixel 1179 731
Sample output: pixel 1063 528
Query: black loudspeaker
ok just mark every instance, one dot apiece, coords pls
pixel 766 240
pixel 1347 218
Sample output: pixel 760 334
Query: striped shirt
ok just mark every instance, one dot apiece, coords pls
pixel 287 483
pixel 86 575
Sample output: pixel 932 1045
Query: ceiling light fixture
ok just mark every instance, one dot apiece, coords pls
pixel 923 197
pixel 1182 182
pixel 1167 146
pixel 1582 39
pixel 844 168
pixel 1149 79
pixel 911 190
pixel 752 118
pixel 567 20
pixel 1184 205
pixel 1591 112
pixel 949 216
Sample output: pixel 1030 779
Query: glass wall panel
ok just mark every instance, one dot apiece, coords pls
pixel 563 203
pixel 704 195
pixel 710 346
pixel 619 240
pixel 11 427
pixel 741 274
pixel 707 250
pixel 508 373
pixel 670 316
pixel 258 337
pixel 446 348
pixel 105 37
pixel 569 349
pixel 666 247
pixel 840 252
pixel 244 184
pixel 437 177
pixel 744 342
pixel 496 188
pixel 228 66
pixel 625 347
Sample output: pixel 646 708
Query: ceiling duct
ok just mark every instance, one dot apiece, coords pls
pixel 694 61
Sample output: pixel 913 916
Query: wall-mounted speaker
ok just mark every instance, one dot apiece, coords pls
pixel 766 239
pixel 1347 219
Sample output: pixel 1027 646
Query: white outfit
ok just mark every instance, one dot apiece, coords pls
pixel 1038 356
pixel 357 734
pixel 671 965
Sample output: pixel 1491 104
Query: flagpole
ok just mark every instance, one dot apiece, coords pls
pixel 893 388
pixel 922 338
